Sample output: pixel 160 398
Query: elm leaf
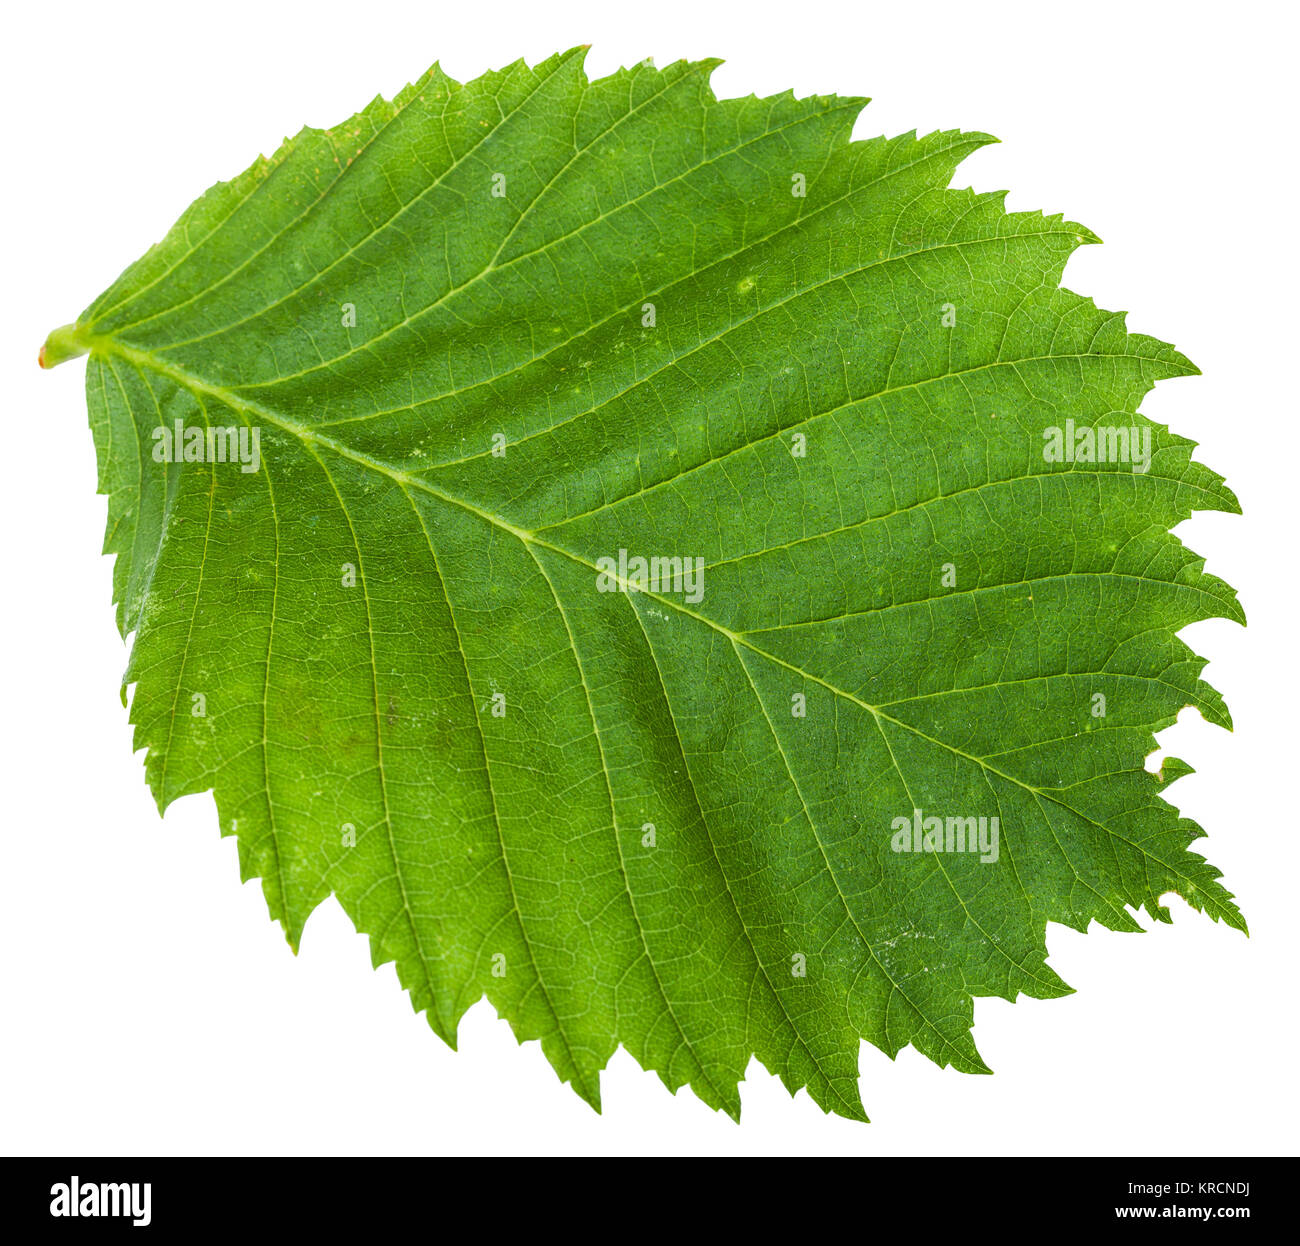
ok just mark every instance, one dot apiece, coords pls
pixel 691 578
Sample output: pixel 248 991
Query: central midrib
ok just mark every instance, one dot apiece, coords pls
pixel 140 358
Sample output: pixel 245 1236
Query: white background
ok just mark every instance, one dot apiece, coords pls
pixel 150 1006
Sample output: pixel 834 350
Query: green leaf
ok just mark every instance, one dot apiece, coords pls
pixel 482 339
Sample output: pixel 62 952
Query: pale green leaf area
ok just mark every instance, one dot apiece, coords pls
pixel 491 334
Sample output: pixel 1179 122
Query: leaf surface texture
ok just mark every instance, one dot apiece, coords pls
pixel 836 400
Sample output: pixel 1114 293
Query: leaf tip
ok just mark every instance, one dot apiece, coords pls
pixel 588 1091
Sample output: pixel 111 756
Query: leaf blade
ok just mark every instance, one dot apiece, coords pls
pixel 515 841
